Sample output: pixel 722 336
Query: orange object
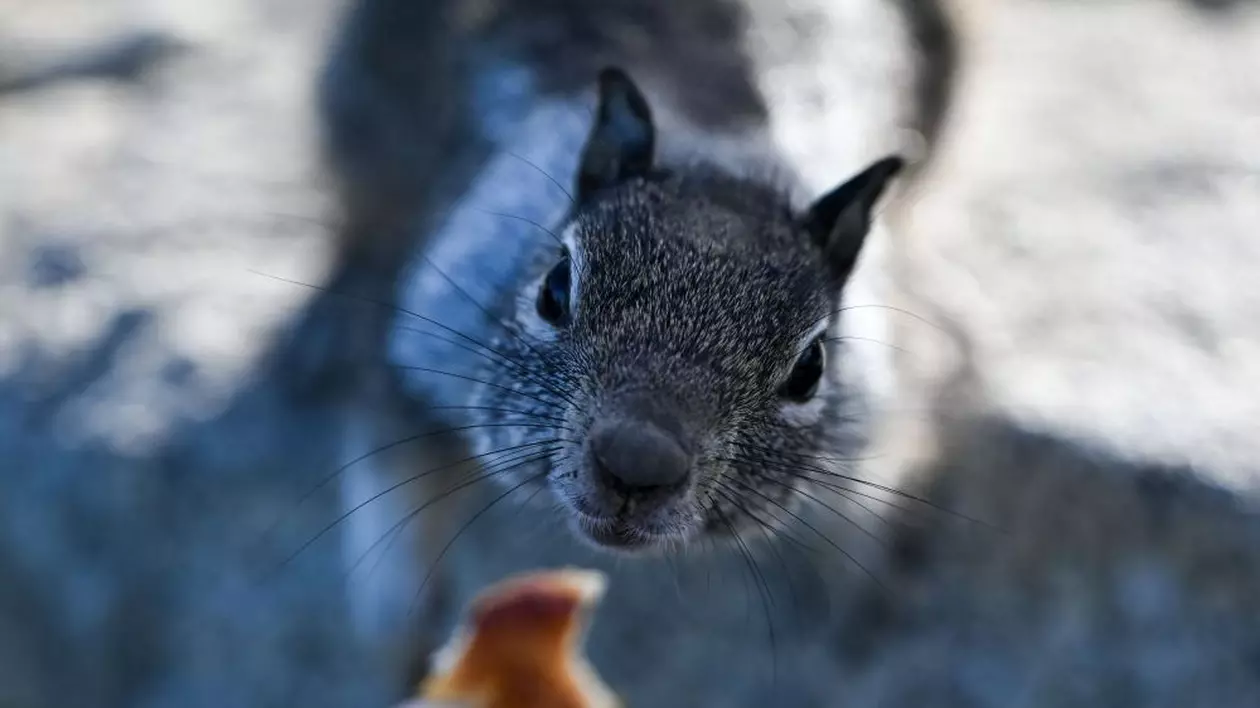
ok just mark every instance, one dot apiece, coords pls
pixel 521 647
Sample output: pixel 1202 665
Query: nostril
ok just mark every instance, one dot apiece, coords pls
pixel 638 456
pixel 607 477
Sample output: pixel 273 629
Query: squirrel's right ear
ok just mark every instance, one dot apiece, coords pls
pixel 839 220
pixel 622 140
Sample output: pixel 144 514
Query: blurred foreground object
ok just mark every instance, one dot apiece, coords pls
pixel 521 647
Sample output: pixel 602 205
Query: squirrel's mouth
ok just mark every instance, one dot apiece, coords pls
pixel 619 533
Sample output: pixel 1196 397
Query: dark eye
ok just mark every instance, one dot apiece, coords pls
pixel 802 384
pixel 553 299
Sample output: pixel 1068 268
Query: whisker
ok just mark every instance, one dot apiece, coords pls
pixel 266 535
pixel 544 173
pixel 900 310
pixel 559 241
pixel 708 567
pixel 763 589
pixel 767 532
pixel 347 514
pixel 850 337
pixel 845 308
pixel 395 531
pixel 833 486
pixel 936 507
pixel 803 456
pixel 388 306
pixel 472 519
pixel 806 551
pixel 473 379
pixel 528 500
pixel 848 493
pixel 847 496
pixel 521 337
pixel 818 533
pixel 779 531
pixel 828 507
pixel 853 495
pixel 493 409
pixel 538 378
pixel 404 441
pixel 863 482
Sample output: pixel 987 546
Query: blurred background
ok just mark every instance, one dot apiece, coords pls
pixel 1093 222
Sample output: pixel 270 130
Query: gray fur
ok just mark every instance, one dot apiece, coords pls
pixel 701 282
pixel 696 286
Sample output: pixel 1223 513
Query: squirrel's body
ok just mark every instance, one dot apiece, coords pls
pixel 461 156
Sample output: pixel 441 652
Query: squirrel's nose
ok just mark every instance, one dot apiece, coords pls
pixel 637 456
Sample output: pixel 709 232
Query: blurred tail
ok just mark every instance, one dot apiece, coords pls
pixel 940 367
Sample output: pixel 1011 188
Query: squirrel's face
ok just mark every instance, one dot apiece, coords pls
pixel 686 328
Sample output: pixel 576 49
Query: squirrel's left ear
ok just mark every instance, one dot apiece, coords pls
pixel 839 220
pixel 623 138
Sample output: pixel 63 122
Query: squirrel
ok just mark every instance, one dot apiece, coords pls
pixel 616 286
pixel 608 259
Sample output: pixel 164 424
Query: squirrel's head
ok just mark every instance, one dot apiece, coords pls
pixel 686 331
